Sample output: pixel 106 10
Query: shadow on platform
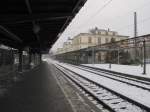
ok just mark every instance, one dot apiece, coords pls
pixel 36 92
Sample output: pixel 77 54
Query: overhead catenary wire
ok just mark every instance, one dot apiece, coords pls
pixel 91 18
pixel 140 22
pixel 131 11
pixel 128 27
pixel 96 13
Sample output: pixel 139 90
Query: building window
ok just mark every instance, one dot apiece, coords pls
pixel 114 33
pixel 106 40
pixel 90 40
pixel 99 40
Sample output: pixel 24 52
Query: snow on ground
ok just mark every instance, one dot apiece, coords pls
pixel 138 94
pixel 127 69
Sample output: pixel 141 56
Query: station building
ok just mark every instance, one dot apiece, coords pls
pixel 85 40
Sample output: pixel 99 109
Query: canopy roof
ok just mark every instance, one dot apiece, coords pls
pixel 35 23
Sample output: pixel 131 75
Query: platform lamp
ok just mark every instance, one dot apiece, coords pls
pixel 36 28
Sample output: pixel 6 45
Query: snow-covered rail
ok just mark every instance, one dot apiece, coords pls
pixel 114 76
pixel 112 100
pixel 129 74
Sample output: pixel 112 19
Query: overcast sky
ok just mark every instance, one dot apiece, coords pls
pixel 117 15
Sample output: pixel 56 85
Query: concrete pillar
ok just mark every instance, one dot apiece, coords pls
pixel 20 60
pixel 30 59
pixel 40 56
pixel 33 59
pixel 3 58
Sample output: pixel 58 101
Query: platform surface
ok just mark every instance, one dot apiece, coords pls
pixel 38 91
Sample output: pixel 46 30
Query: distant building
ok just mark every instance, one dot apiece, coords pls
pixel 59 50
pixel 105 36
pixel 95 37
pixel 67 46
pixel 83 40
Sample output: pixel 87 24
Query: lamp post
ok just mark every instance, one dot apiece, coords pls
pixel 144 55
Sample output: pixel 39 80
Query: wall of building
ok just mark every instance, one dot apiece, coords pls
pixel 85 40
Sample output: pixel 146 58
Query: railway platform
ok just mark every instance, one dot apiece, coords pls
pixel 38 91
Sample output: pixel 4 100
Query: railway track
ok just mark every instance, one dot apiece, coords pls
pixel 137 78
pixel 145 85
pixel 110 99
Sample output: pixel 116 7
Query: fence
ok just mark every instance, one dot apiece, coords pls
pixel 130 51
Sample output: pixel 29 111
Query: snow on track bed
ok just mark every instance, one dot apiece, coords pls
pixel 134 93
pixel 134 82
pixel 115 103
pixel 143 77
pixel 129 70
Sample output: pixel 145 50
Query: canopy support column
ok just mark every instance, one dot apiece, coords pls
pixel 20 60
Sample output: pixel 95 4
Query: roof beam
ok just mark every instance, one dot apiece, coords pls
pixel 14 19
pixel 9 34
pixel 33 22
pixel 9 43
pixel 69 18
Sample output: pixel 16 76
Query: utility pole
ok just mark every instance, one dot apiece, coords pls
pixel 135 24
pixel 135 32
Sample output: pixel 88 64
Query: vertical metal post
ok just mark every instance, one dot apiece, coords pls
pixel 93 55
pixel 118 57
pixel 144 55
pixel 141 57
pixel 88 57
pixel 101 57
pixel 80 57
pixel 110 65
pixel 110 59
pixel 20 61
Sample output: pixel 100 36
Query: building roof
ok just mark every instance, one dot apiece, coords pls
pixel 122 36
pixel 35 23
pixel 82 34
